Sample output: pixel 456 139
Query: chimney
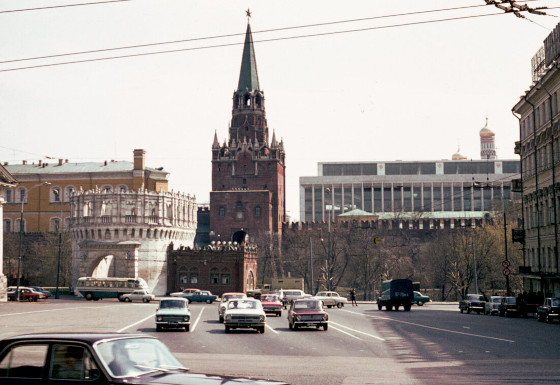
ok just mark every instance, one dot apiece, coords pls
pixel 24 162
pixel 139 159
pixel 105 163
pixel 60 162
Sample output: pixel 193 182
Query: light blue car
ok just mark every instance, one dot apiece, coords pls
pixel 173 313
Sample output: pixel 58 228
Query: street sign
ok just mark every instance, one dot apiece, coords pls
pixel 377 240
pixel 506 272
pixel 506 263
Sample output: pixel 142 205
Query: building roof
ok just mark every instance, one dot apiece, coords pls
pixel 357 213
pixel 75 168
pixel 248 76
pixel 6 178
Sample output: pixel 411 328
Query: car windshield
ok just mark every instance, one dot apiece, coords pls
pixel 555 301
pixel 235 304
pixel 135 356
pixel 168 304
pixel 233 296
pixel 510 300
pixel 269 298
pixel 307 305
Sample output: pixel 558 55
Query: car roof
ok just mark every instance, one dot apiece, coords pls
pixel 173 299
pixel 77 337
pixel 234 293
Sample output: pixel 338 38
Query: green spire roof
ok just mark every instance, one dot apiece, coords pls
pixel 248 77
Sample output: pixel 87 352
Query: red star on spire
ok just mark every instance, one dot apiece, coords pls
pixel 248 12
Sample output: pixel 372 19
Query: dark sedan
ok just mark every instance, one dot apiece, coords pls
pixel 93 358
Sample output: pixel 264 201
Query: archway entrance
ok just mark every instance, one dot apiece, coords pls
pixel 239 236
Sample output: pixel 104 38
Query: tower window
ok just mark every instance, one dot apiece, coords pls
pixel 8 196
pixel 239 205
pixel 222 212
pixel 244 181
pixel 257 212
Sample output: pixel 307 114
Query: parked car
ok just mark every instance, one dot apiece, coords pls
pixel 271 304
pixel 549 310
pixel 223 303
pixel 41 290
pixel 508 307
pixel 184 292
pixel 330 299
pixel 492 306
pixel 137 295
pixel 419 298
pixel 25 294
pixel 473 302
pixel 201 296
pixel 244 314
pixel 173 313
pixel 98 358
pixel 307 312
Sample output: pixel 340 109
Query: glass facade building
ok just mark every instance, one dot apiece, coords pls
pixel 451 186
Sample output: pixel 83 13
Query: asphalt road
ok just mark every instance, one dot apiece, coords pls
pixel 433 344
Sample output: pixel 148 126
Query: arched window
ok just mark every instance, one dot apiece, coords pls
pixel 54 225
pixel 107 189
pixel 68 191
pixel 247 100
pixel 122 188
pixel 55 195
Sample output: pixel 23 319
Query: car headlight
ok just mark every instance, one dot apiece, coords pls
pixel 262 318
pixel 159 318
pixel 297 317
pixel 187 318
pixel 326 317
pixel 228 317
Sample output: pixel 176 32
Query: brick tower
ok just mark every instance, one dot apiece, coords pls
pixel 248 170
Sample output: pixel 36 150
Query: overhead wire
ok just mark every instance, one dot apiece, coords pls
pixel 255 41
pixel 63 6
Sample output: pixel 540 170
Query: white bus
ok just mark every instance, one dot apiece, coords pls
pixel 109 287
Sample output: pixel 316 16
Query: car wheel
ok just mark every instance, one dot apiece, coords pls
pixel 89 296
pixel 158 328
pixel 221 319
pixel 290 326
pixel 541 318
pixel 279 314
pixel 261 330
pixel 296 327
pixel 127 299
pixel 469 310
pixel 461 310
pixel 420 303
pixel 187 328
pixel 188 300
pixel 145 300
pixel 227 329
pixel 339 305
pixel 329 306
pixel 548 319
pixel 325 327
pixel 208 301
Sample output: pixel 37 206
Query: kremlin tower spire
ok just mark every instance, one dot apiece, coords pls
pixel 487 143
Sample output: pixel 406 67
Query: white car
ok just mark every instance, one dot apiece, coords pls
pixel 137 295
pixel 491 307
pixel 244 314
pixel 331 299
pixel 223 303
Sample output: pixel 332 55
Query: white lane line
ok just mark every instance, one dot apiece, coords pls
pixel 358 331
pixel 197 319
pixel 271 329
pixel 50 310
pixel 435 328
pixel 342 331
pixel 134 324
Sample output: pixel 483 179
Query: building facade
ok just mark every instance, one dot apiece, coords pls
pixel 45 188
pixel 248 169
pixel 538 111
pixel 445 189
pixel 7 181
pixel 129 233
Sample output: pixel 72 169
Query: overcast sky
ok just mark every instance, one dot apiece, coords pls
pixel 397 88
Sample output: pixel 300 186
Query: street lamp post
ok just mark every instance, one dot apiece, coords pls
pixel 21 234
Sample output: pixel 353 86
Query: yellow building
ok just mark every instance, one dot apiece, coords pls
pixel 43 190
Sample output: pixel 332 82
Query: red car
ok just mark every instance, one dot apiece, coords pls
pixel 26 294
pixel 271 304
pixel 307 313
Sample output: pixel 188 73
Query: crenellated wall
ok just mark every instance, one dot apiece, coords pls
pixel 128 234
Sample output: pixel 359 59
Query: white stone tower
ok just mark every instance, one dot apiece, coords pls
pixel 487 143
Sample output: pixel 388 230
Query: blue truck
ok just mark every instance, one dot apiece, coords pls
pixel 396 293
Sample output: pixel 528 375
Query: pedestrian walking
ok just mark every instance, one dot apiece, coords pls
pixel 353 297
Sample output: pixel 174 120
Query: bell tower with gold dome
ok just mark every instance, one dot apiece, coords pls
pixel 487 143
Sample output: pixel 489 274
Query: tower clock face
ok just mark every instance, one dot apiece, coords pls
pixel 239 215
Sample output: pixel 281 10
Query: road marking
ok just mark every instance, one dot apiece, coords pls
pixel 434 328
pixel 134 324
pixel 444 330
pixel 358 331
pixel 197 319
pixel 270 328
pixel 342 331
pixel 44 311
